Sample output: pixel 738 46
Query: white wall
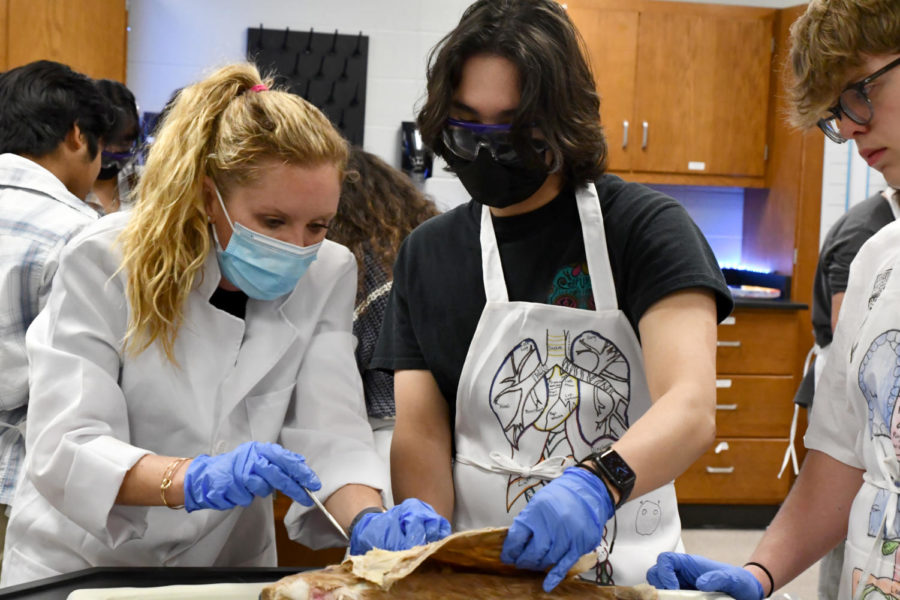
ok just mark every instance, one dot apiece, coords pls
pixel 175 42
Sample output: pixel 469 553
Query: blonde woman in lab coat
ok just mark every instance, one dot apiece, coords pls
pixel 196 354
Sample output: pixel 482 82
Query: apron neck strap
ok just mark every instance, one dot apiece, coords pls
pixel 602 284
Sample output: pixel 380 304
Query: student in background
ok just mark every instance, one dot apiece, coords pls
pixel 379 207
pixel 118 174
pixel 845 56
pixel 53 127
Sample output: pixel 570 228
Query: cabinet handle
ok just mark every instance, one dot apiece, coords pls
pixel 720 470
pixel 646 135
pixel 625 136
pixel 726 406
pixel 728 344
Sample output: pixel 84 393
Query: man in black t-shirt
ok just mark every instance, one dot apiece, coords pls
pixel 841 244
pixel 513 322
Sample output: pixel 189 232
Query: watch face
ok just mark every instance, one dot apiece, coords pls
pixel 617 468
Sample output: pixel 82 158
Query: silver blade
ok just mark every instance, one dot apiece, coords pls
pixel 327 514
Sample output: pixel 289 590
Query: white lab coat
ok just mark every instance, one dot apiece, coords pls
pixel 285 374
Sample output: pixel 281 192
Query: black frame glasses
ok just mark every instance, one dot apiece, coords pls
pixel 855 103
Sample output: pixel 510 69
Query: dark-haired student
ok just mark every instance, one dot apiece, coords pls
pixel 562 317
pixel 53 123
pixel 118 175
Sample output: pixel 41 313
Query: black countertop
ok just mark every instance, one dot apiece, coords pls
pixel 769 304
pixel 58 588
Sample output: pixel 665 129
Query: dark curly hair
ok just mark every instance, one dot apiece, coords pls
pixel 379 207
pixel 558 93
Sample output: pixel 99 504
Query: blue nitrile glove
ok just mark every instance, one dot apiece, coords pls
pixel 252 469
pixel 674 571
pixel 411 523
pixel 562 522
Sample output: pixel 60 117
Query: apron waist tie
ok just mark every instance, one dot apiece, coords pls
pixel 550 468
pixel 20 427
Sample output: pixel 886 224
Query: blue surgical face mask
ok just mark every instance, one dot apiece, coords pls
pixel 261 266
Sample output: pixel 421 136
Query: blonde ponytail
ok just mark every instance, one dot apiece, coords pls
pixel 218 128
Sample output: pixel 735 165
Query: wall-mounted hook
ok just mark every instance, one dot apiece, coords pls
pixel 296 70
pixel 259 44
pixel 321 72
pixel 284 42
pixel 308 48
pixel 343 75
pixel 330 98
pixel 357 51
pixel 333 49
pixel 355 100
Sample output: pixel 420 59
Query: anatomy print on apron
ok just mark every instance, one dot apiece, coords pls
pixel 543 386
pixel 871 555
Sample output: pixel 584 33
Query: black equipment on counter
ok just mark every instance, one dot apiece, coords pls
pixel 416 160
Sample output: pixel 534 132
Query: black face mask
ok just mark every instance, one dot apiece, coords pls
pixel 109 172
pixel 496 184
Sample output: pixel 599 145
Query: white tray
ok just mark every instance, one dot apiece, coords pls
pixel 210 591
pixel 688 594
pixel 250 591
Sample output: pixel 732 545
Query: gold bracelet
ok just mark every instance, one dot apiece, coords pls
pixel 166 483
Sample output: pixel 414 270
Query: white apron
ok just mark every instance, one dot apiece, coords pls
pixel 873 377
pixel 542 384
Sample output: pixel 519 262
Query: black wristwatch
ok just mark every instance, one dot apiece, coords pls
pixel 612 468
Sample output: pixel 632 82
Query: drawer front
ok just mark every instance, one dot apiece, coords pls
pixel 758 342
pixel 754 405
pixel 741 472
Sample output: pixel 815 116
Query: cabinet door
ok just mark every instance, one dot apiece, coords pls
pixel 702 93
pixel 611 42
pixel 736 471
pixel 89 35
pixel 4 34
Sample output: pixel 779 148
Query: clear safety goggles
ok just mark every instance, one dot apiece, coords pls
pixel 120 159
pixel 466 139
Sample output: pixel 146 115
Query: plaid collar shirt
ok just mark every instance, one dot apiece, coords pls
pixel 38 215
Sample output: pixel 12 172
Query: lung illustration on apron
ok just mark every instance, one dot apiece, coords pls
pixel 545 385
pixel 879 383
pixel 871 559
pixel 576 389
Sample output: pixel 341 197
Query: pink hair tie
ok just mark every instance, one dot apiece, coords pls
pixel 259 87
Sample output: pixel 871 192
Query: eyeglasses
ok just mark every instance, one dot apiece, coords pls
pixel 465 140
pixel 855 103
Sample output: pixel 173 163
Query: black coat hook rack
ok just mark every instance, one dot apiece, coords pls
pixel 329 68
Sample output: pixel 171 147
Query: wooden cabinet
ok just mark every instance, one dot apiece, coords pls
pixel 87 35
pixel 684 87
pixel 756 379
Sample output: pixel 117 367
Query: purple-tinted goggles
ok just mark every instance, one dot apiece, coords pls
pixel 465 139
